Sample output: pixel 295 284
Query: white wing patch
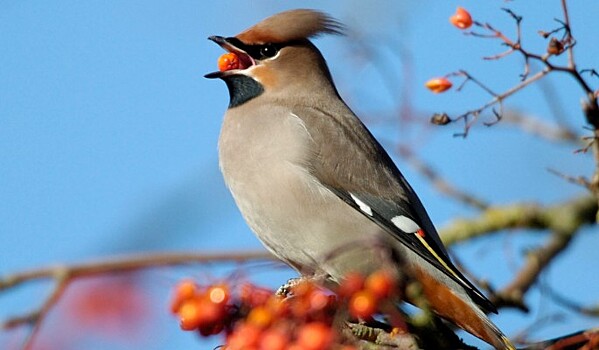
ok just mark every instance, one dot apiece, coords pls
pixel 405 224
pixel 363 206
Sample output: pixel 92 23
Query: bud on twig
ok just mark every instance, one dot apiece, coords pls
pixel 555 47
pixel 440 119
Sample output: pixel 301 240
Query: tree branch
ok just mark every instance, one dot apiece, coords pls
pixel 63 275
pixel 568 216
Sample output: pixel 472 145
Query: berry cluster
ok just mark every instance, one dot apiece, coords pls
pixel 308 318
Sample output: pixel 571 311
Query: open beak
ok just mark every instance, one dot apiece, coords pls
pixel 245 60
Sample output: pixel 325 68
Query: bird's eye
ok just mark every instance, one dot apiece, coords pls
pixel 268 51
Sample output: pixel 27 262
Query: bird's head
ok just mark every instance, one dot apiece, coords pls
pixel 276 57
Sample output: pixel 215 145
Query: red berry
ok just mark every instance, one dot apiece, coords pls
pixel 381 283
pixel 438 85
pixel 461 18
pixel 363 304
pixel 218 294
pixel 244 337
pixel 260 317
pixel 274 339
pixel 190 315
pixel 315 336
pixel 228 61
pixel 184 290
pixel 352 283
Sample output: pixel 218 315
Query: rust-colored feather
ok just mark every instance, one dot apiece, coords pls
pixel 448 305
pixel 290 25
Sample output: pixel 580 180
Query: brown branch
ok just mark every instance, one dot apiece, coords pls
pixel 536 261
pixel 63 275
pixel 438 181
pixel 540 128
pixel 566 216
pixel 126 264
pixel 592 311
pixel 563 219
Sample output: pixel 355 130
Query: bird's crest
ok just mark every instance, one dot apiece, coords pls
pixel 289 26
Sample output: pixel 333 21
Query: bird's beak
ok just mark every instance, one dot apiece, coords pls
pixel 231 45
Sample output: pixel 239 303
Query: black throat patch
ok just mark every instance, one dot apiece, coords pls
pixel 242 89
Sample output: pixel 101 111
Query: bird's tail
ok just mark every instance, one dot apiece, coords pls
pixel 461 310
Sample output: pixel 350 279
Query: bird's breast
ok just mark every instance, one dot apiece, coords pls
pixel 265 159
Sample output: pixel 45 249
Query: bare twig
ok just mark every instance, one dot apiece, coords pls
pixel 567 43
pixel 536 261
pixel 439 182
pixel 540 128
pixel 63 275
pixel 576 180
pixel 126 264
pixel 592 311
pixel 471 116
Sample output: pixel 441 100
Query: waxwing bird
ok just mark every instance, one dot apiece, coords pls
pixel 310 179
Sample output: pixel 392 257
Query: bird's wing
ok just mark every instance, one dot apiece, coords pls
pixel 354 166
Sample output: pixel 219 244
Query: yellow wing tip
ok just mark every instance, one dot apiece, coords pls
pixel 508 343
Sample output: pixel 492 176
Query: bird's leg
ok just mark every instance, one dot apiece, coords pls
pixel 286 290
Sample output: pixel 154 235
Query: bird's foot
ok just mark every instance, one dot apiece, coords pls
pixel 286 290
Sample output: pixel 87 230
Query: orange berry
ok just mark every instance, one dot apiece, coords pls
pixel 363 304
pixel 184 290
pixel 218 294
pixel 461 18
pixel 352 283
pixel 260 317
pixel 190 315
pixel 244 337
pixel 438 85
pixel 319 300
pixel 302 289
pixel 300 307
pixel 279 308
pixel 228 61
pixel 381 283
pixel 211 329
pixel 274 339
pixel 210 312
pixel 315 336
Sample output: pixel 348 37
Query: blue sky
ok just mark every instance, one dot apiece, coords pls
pixel 108 129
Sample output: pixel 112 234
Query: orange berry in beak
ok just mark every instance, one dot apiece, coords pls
pixel 228 61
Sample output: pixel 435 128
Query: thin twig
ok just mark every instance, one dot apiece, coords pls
pixel 592 311
pixel 540 128
pixel 439 182
pixel 497 99
pixel 535 264
pixel 567 43
pixel 130 263
pixel 576 180
pixel 63 275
